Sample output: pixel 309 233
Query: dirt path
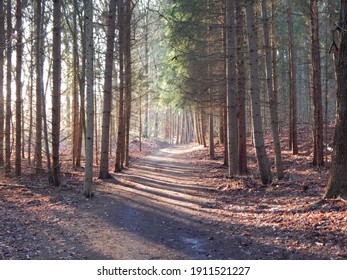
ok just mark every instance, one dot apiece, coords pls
pixel 173 204
pixel 157 209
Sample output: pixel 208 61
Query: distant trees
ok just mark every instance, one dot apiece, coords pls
pixel 174 70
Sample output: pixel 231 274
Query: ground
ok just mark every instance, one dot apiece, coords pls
pixel 175 203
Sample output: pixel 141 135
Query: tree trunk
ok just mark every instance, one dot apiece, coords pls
pixel 8 92
pixel 232 135
pixel 106 114
pixel 56 91
pixel 31 93
pixel 75 99
pixel 271 91
pixel 293 142
pixel 82 79
pixel 211 133
pixel 337 185
pixel 120 134
pixel 203 127
pixel 88 173
pixel 128 80
pixel 2 103
pixel 241 87
pixel 39 82
pixel 263 161
pixel 318 153
pixel 18 161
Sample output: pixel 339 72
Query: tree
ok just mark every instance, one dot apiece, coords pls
pixel 8 90
pixel 89 139
pixel 318 155
pixel 241 87
pixel 271 91
pixel 19 46
pixel 39 82
pixel 293 141
pixel 106 114
pixel 56 92
pixel 337 185
pixel 82 86
pixel 121 123
pixel 2 58
pixel 75 99
pixel 263 161
pixel 232 131
pixel 128 78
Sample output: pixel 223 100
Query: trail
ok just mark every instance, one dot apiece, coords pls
pixel 171 204
pixel 158 210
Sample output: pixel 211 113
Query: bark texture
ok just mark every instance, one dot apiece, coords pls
pixel 106 114
pixel 337 185
pixel 263 161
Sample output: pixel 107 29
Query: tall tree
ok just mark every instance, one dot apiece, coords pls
pixel 19 53
pixel 231 89
pixel 318 155
pixel 56 92
pixel 8 89
pixel 75 99
pixel 2 103
pixel 82 86
pixel 271 92
pixel 128 78
pixel 121 125
pixel 293 141
pixel 263 161
pixel 39 82
pixel 106 114
pixel 337 185
pixel 241 87
pixel 89 139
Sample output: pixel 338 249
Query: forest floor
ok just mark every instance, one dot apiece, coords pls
pixel 175 203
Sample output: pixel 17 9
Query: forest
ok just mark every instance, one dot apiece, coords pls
pixel 173 129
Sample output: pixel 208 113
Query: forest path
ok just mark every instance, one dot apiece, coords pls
pixel 174 203
pixel 171 205
pixel 158 209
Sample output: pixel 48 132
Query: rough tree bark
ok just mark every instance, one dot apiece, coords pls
pixel 241 87
pixel 263 161
pixel 293 141
pixel 39 88
pixel 318 152
pixel 19 55
pixel 272 95
pixel 232 130
pixel 8 91
pixel 2 102
pixel 56 91
pixel 337 185
pixel 120 133
pixel 88 172
pixel 75 99
pixel 128 79
pixel 106 114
